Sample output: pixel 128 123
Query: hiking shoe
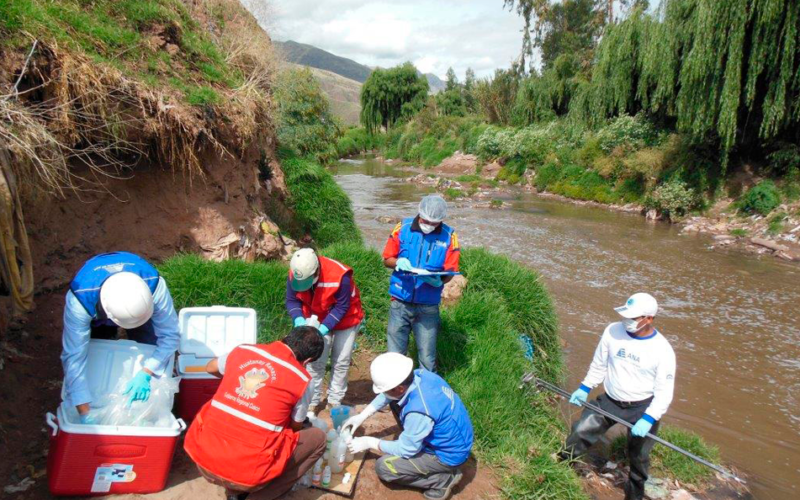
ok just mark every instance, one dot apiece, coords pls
pixel 444 493
pixel 231 495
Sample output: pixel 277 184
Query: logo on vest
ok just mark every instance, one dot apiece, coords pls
pixel 448 393
pixel 251 382
pixel 112 268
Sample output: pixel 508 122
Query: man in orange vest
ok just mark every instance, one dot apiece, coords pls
pixel 322 287
pixel 250 435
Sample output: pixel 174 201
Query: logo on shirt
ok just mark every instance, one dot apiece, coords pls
pixel 670 377
pixel 622 354
pixel 251 382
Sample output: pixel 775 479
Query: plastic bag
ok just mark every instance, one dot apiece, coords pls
pixel 113 408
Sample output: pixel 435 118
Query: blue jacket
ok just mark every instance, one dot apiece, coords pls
pixel 425 251
pixel 80 312
pixel 451 437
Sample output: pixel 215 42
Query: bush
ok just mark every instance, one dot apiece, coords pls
pixel 762 198
pixel 356 140
pixel 672 199
pixel 627 132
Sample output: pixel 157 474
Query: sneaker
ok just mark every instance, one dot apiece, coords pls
pixel 444 493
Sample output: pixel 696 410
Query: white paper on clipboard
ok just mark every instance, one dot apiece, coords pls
pixel 424 272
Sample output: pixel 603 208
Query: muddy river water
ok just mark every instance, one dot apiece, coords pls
pixel 733 320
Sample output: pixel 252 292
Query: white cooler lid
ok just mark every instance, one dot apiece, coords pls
pixel 210 332
pixel 108 361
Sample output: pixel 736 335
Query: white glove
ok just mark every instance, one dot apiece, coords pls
pixel 351 424
pixel 359 444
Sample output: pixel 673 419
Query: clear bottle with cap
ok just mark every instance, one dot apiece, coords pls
pixel 326 476
pixel 331 436
pixel 338 453
pixel 316 475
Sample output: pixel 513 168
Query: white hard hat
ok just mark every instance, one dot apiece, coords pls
pixel 304 265
pixel 127 300
pixel 389 370
pixel 433 208
pixel 638 305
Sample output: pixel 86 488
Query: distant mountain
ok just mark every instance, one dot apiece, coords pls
pixel 435 83
pixel 308 55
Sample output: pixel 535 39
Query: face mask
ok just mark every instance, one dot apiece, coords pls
pixel 390 398
pixel 426 228
pixel 631 325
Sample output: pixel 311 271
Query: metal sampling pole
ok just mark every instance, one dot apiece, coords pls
pixel 530 377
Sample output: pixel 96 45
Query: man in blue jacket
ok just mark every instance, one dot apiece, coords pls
pixel 421 242
pixel 111 291
pixel 437 432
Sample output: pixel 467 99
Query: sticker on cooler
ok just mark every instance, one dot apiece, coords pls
pixel 207 333
pixel 112 473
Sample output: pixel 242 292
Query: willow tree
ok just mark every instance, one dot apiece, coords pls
pixel 389 95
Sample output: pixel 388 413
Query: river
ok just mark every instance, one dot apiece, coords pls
pixel 733 320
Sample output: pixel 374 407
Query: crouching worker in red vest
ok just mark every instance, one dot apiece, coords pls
pixel 250 436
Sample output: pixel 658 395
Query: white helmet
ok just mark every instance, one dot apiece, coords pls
pixel 127 300
pixel 389 370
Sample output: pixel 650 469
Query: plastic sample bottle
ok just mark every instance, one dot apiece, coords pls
pixel 338 452
pixel 316 476
pixel 326 476
pixel 332 435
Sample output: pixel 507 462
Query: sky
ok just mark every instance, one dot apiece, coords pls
pixel 432 34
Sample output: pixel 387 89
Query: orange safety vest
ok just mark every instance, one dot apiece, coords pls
pixel 243 433
pixel 323 298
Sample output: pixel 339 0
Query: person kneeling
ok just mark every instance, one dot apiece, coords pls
pixel 250 435
pixel 437 432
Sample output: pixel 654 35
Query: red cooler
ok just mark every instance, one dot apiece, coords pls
pixel 108 459
pixel 207 333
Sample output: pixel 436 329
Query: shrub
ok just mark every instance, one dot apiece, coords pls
pixel 672 199
pixel 762 198
pixel 453 193
pixel 776 223
pixel 628 132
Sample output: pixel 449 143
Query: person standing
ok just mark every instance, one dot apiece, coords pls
pixel 437 432
pixel 322 287
pixel 636 364
pixel 250 435
pixel 111 291
pixel 421 242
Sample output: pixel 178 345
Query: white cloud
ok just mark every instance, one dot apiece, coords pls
pixel 434 35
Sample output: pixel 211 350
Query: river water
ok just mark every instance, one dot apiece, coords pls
pixel 733 320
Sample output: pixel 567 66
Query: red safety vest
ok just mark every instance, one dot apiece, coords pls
pixel 323 298
pixel 243 434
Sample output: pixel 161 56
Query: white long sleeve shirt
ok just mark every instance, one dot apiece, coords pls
pixel 78 329
pixel 634 368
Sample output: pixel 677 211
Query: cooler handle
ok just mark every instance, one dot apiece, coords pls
pixel 182 424
pixel 51 421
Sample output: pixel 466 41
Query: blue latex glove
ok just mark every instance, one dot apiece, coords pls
pixel 403 264
pixel 299 321
pixel 578 397
pixel 434 281
pixel 88 419
pixel 641 428
pixel 138 387
pixel 323 330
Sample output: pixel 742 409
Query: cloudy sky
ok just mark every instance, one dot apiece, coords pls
pixel 433 34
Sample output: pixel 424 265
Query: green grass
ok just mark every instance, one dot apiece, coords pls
pixel 469 178
pixel 667 463
pixel 776 223
pixel 202 96
pixel 453 193
pixel 739 232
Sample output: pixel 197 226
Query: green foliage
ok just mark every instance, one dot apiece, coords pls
pixel 321 206
pixel 628 132
pixel 305 122
pixel 668 463
pixel 762 198
pixel 451 103
pixel 202 96
pixel 427 141
pixel 673 199
pixel 776 223
pixel 390 95
pixel 739 232
pixel 453 193
pixel 357 140
pixel 497 96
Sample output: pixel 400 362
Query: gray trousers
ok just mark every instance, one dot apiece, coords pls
pixel 423 471
pixel 591 426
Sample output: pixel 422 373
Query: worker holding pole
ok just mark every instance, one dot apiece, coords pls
pixel 423 243
pixel 636 364
pixel 437 432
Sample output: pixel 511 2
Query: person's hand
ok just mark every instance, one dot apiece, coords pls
pixel 323 330
pixel 299 321
pixel 641 428
pixel 578 397
pixel 138 387
pixel 402 264
pixel 359 444
pixel 351 424
pixel 434 281
pixel 88 419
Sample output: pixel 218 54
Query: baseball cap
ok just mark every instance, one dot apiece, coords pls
pixel 303 265
pixel 638 305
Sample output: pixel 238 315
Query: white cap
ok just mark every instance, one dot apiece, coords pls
pixel 638 305
pixel 389 370
pixel 433 208
pixel 304 265
pixel 126 300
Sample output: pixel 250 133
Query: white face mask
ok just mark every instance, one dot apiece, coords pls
pixel 390 398
pixel 426 228
pixel 631 325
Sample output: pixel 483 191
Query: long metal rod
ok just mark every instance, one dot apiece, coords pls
pixel 530 377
